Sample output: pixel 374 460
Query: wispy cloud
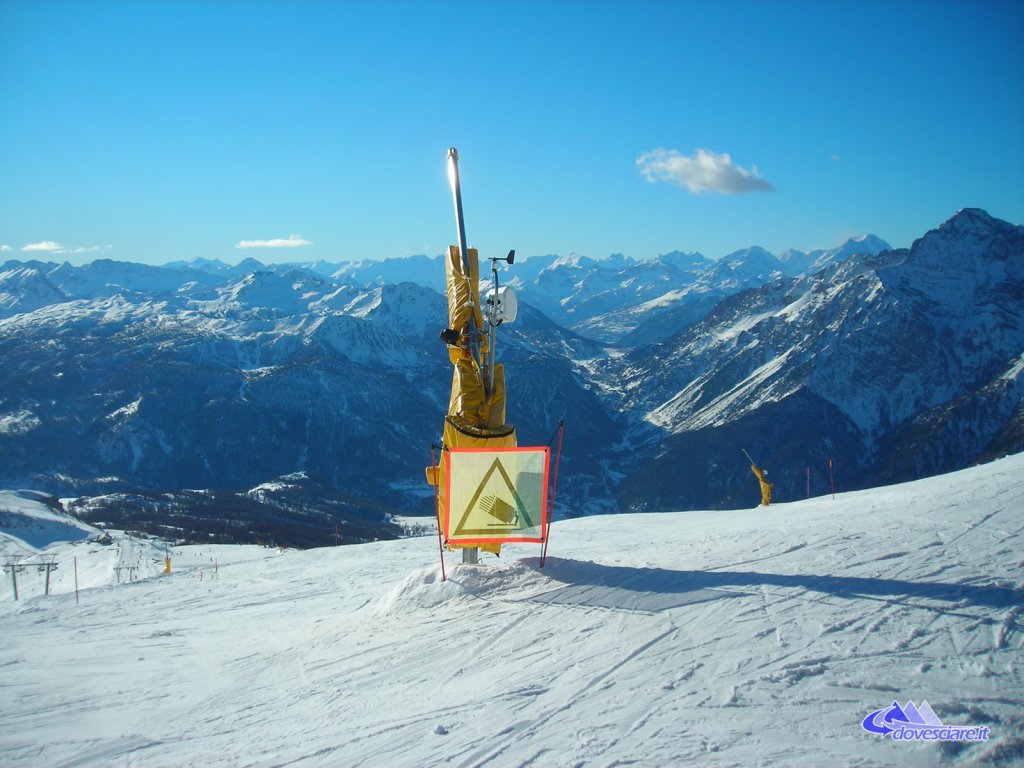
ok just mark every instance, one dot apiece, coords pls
pixel 292 241
pixel 703 171
pixel 48 246
pixel 45 245
pixel 4 248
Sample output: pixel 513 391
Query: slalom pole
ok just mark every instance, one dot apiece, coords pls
pixel 554 490
pixel 832 479
pixel 437 505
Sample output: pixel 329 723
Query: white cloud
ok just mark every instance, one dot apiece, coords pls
pixel 292 241
pixel 4 248
pixel 46 245
pixel 703 171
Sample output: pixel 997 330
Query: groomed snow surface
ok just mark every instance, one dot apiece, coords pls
pixel 752 637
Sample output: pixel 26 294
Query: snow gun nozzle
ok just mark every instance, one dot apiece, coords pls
pixel 453 174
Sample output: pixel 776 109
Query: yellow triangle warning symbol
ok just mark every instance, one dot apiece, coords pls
pixel 495 506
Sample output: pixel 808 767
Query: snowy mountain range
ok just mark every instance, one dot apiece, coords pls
pixel 891 364
pixel 895 366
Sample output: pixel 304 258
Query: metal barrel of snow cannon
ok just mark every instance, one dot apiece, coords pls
pixel 453 180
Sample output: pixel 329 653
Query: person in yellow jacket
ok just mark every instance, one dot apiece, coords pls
pixel 766 487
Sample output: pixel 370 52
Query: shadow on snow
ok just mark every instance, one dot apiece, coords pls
pixel 657 589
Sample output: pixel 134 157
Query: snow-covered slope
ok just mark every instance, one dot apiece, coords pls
pixel 753 637
pixel 30 521
pixel 24 288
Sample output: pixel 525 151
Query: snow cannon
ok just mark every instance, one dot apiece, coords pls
pixel 762 478
pixel 487 490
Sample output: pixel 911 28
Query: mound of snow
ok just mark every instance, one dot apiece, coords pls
pixel 424 589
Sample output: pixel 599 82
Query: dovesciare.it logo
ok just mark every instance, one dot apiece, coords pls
pixel 912 723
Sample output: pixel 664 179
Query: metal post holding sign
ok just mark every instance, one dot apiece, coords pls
pixel 554 489
pixel 437 507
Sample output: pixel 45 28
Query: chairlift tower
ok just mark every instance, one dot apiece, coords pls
pixel 12 567
pixel 49 565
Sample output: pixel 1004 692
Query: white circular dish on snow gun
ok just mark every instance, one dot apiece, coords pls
pixel 505 309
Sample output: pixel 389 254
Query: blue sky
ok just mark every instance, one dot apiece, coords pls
pixel 156 131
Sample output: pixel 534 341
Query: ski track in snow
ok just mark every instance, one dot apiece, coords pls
pixel 754 637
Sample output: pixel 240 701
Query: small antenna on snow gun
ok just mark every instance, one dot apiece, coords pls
pixel 748 456
pixel 501 306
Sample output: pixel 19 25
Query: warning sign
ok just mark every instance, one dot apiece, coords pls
pixel 496 495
